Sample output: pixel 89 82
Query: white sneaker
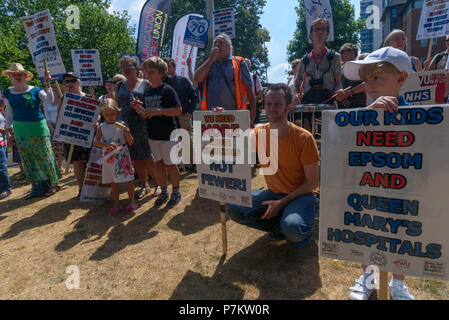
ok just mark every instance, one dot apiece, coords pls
pixel 400 293
pixel 360 290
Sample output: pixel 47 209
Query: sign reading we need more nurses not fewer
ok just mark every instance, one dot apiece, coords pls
pixel 384 184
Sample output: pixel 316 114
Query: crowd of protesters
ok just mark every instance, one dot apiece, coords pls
pixel 142 109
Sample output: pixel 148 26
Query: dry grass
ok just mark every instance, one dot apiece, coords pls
pixel 159 254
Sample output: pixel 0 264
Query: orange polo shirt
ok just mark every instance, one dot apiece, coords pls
pixel 295 150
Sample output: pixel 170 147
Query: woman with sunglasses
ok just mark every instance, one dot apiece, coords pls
pixel 133 88
pixel 31 133
pixel 80 154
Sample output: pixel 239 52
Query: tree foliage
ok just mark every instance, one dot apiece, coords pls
pixel 346 29
pixel 109 33
pixel 250 36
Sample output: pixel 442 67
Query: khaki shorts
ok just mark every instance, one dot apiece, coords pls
pixel 162 150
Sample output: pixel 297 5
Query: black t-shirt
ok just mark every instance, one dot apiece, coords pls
pixel 163 97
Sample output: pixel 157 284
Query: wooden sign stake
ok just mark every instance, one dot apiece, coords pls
pixel 383 285
pixel 429 51
pixel 67 167
pixel 224 234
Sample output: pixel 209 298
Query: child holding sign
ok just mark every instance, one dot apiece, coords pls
pixel 384 72
pixel 112 136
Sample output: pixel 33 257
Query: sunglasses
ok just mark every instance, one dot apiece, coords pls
pixel 70 81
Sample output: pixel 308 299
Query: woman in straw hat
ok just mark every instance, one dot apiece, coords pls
pixel 31 132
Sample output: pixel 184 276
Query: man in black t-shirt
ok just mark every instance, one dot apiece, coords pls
pixel 162 105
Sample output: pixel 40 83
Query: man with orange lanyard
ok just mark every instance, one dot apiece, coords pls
pixel 227 80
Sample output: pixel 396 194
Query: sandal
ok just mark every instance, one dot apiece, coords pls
pixel 157 191
pixel 131 207
pixel 141 193
pixel 114 211
pixel 52 191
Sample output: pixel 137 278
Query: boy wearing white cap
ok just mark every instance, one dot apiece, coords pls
pixel 384 71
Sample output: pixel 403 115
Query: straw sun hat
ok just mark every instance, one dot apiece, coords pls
pixel 17 67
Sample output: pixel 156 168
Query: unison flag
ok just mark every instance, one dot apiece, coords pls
pixel 153 21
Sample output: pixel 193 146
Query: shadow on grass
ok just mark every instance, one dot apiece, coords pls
pixel 136 231
pixel 52 213
pixel 278 270
pixel 96 222
pixel 198 215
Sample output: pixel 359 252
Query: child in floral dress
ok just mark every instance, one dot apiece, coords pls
pixel 112 135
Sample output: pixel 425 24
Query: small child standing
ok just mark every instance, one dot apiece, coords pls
pixel 383 71
pixel 117 168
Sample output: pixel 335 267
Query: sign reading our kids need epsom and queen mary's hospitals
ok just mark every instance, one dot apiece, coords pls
pixel 221 153
pixel 76 123
pixel 384 184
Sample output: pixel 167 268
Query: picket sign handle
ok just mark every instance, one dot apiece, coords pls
pixel 429 50
pixel 67 167
pixel 224 234
pixel 383 285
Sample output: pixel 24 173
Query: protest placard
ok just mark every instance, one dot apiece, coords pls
pixel 227 177
pixel 41 35
pixel 384 182
pixel 224 22
pixel 196 32
pixel 86 62
pixel 181 51
pixel 93 190
pixel 77 120
pixel 433 22
pixel 319 9
pixel 54 64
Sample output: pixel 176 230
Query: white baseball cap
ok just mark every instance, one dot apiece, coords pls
pixel 396 57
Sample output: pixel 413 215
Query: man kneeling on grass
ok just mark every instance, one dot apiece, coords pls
pixel 287 209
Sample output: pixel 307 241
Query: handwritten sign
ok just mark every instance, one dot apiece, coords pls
pixel 319 9
pixel 77 121
pixel 434 21
pixel 384 187
pixel 41 35
pixel 224 22
pixel 87 64
pixel 224 173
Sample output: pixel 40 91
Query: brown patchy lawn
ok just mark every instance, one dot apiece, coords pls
pixel 159 254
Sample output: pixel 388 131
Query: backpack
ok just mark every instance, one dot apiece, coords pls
pixel 439 57
pixel 317 93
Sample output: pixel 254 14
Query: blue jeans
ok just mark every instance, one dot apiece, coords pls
pixel 5 184
pixel 295 222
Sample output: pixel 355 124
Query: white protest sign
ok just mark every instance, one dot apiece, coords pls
pixel 93 190
pixel 54 64
pixel 181 51
pixel 434 22
pixel 319 9
pixel 384 182
pixel 41 35
pixel 77 120
pixel 86 62
pixel 224 22
pixel 227 177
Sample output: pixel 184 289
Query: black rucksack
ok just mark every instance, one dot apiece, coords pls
pixel 317 93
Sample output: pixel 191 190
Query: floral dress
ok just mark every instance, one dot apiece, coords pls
pixel 118 168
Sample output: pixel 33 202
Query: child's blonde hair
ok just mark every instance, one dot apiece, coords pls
pixel 156 63
pixel 109 104
pixel 369 71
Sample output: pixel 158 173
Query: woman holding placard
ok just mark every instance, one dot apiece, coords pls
pixel 31 132
pixel 80 155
